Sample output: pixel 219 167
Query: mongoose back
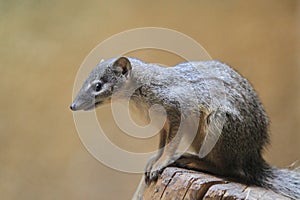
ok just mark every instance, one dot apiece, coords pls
pixel 224 105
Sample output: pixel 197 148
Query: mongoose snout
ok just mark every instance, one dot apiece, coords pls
pixel 73 106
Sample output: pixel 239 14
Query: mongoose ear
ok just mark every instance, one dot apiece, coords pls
pixel 102 60
pixel 122 65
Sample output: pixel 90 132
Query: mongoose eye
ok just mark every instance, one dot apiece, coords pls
pixel 98 87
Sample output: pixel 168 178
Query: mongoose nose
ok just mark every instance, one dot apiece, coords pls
pixel 73 106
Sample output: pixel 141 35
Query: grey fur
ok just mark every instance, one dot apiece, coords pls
pixel 229 110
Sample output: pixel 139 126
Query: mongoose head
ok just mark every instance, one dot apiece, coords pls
pixel 106 78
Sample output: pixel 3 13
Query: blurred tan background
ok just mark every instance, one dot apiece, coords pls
pixel 43 44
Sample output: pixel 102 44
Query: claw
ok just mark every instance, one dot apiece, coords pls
pixel 154 175
pixel 147 178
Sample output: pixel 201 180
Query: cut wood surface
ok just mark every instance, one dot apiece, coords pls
pixel 176 183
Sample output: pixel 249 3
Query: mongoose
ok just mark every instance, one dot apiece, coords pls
pixel 238 120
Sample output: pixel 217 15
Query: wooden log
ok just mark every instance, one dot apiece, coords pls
pixel 178 184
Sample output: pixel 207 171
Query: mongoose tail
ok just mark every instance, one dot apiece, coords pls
pixel 282 181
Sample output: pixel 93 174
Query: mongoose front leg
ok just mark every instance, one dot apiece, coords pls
pixel 167 157
pixel 153 159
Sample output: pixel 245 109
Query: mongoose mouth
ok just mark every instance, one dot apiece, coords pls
pixel 93 106
pixel 85 108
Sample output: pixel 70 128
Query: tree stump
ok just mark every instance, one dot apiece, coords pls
pixel 177 183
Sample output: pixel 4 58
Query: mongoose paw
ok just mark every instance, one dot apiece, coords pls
pixel 148 169
pixel 156 166
pixel 152 176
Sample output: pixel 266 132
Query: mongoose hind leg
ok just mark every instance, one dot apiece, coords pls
pixel 193 162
